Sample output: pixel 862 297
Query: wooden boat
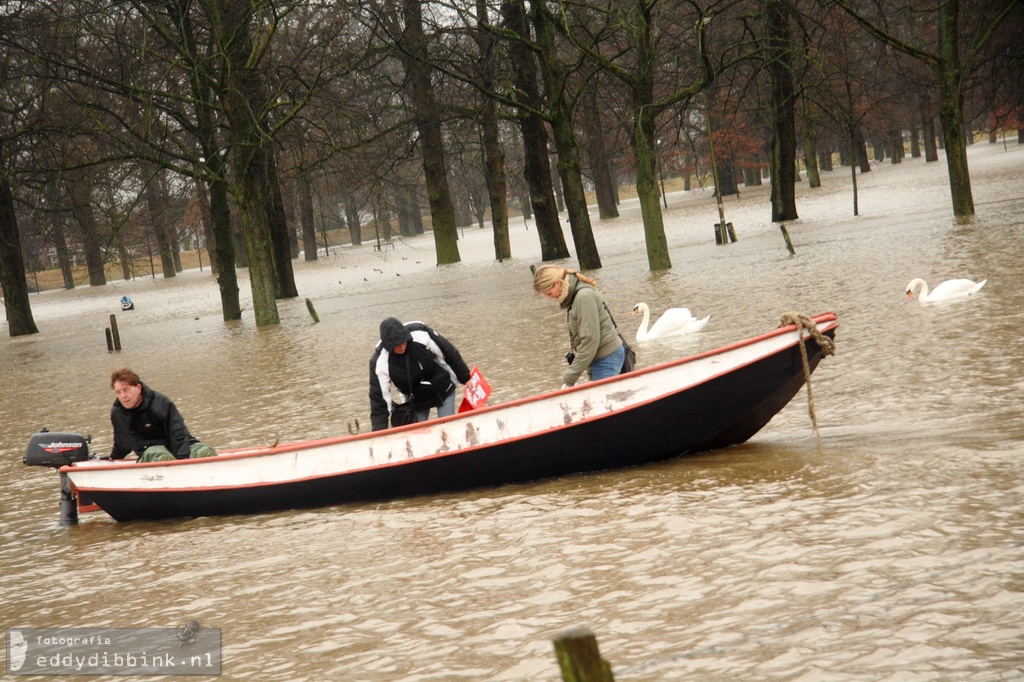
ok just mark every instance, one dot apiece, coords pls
pixel 711 400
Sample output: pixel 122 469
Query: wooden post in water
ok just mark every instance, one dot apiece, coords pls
pixel 789 244
pixel 110 341
pixel 312 311
pixel 579 659
pixel 115 335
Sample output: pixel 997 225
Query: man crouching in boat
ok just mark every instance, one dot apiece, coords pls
pixel 148 423
pixel 423 366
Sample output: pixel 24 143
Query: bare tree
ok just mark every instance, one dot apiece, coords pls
pixel 949 51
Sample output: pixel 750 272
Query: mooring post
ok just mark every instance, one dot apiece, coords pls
pixel 110 341
pixel 312 311
pixel 579 659
pixel 789 244
pixel 116 335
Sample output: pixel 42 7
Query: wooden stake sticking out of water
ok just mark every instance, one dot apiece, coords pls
pixel 312 311
pixel 789 244
pixel 579 659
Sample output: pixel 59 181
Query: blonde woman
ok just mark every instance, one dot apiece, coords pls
pixel 596 345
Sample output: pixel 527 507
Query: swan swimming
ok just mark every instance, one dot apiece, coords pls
pixel 674 322
pixel 947 291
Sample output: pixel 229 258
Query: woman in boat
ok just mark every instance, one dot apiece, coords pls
pixel 596 347
pixel 424 367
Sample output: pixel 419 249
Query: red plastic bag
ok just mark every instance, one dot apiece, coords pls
pixel 477 392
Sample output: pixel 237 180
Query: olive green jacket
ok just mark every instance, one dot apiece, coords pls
pixel 591 330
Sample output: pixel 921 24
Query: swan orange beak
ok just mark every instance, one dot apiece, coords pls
pixel 910 294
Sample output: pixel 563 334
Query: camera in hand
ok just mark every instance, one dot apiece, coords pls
pixel 569 357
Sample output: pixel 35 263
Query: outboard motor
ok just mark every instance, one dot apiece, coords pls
pixel 52 449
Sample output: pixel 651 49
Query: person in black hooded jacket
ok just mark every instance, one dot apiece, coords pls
pixel 423 365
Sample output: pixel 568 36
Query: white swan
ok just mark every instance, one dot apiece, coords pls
pixel 948 290
pixel 673 322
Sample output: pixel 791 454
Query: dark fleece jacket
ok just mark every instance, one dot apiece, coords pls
pixel 156 421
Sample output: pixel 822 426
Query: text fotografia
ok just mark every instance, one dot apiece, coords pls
pixel 114 651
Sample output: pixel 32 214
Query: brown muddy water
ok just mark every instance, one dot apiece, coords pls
pixel 890 549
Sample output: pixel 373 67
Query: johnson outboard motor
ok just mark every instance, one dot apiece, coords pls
pixel 52 449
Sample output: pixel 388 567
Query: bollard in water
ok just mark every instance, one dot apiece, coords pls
pixel 312 311
pixel 724 233
pixel 115 335
pixel 110 341
pixel 789 244
pixel 579 659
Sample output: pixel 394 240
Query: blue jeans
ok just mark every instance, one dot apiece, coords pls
pixel 447 407
pixel 608 366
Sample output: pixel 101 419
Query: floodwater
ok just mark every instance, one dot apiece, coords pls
pixel 889 549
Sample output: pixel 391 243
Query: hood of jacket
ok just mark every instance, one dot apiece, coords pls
pixel 393 333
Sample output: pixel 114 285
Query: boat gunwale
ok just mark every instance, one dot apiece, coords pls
pixel 828 319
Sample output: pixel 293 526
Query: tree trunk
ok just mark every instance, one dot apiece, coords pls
pixel 355 228
pixel 783 193
pixel 223 253
pixel 931 152
pixel 12 269
pixel 810 158
pixel 597 155
pixel 647 189
pixel 861 150
pixel 536 168
pixel 243 100
pixel 60 243
pixel 493 153
pixel 220 239
pixel 568 152
pixel 203 199
pixel 284 280
pixel 79 184
pixel 157 212
pixel 951 110
pixel 306 217
pixel 428 124
pixel 644 116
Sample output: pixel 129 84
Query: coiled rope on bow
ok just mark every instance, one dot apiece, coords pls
pixel 804 323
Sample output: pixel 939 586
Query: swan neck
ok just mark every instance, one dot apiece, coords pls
pixel 641 333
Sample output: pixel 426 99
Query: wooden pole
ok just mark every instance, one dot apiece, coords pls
pixel 789 244
pixel 116 335
pixel 110 341
pixel 579 659
pixel 312 311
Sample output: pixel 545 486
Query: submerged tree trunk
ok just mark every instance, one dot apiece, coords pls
pixel 243 100
pixel 428 124
pixel 12 269
pixel 568 152
pixel 597 155
pixel 493 153
pixel 777 15
pixel 536 168
pixel 949 71
pixel 280 235
pixel 306 217
pixel 644 148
